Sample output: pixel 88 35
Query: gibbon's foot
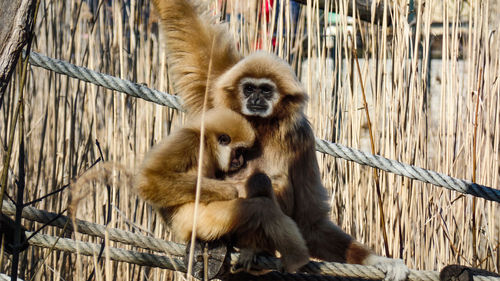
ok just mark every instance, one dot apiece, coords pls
pixel 247 262
pixel 394 269
pixel 208 258
pixel 292 263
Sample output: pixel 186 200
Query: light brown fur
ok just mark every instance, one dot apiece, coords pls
pixel 285 141
pixel 167 181
pixel 187 29
pixel 168 177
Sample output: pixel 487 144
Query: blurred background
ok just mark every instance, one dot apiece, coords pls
pixel 430 70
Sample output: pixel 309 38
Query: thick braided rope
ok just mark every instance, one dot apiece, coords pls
pixel 97 230
pixel 345 270
pixel 323 146
pixel 340 271
pixel 91 249
pixel 172 248
pixel 106 81
pixel 406 170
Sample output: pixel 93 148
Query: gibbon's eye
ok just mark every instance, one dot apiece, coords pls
pixel 224 139
pixel 266 90
pixel 248 89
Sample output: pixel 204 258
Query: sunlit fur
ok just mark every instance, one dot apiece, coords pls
pixel 167 180
pixel 168 175
pixel 285 139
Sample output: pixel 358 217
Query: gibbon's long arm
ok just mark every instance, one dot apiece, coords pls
pixel 181 189
pixel 169 174
pixel 190 34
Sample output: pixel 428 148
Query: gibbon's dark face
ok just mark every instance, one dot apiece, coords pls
pixel 259 95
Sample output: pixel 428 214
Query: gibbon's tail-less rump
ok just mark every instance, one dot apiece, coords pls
pixel 167 180
pixel 265 90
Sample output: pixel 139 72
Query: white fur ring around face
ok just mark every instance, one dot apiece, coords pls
pixel 394 269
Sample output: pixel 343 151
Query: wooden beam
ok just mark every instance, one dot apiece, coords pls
pixel 16 21
pixel 363 9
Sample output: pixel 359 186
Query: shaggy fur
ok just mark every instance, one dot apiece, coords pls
pixel 168 177
pixel 285 142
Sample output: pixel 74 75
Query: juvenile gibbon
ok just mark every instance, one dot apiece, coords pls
pixel 265 90
pixel 167 180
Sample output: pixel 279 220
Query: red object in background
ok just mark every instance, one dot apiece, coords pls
pixel 266 10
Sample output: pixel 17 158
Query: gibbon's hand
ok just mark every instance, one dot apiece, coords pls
pixel 239 187
pixel 234 193
pixel 394 269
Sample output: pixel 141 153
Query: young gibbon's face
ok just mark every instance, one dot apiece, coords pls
pixel 228 135
pixel 258 96
pixel 229 155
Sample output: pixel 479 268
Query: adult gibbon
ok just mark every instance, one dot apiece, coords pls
pixel 167 180
pixel 265 90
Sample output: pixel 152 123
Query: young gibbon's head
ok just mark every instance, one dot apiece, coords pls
pixel 260 85
pixel 227 136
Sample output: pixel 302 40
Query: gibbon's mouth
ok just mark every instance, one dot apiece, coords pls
pixel 236 163
pixel 257 107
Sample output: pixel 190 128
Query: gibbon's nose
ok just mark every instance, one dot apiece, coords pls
pixel 256 98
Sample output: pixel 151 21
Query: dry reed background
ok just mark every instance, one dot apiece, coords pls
pixel 427 226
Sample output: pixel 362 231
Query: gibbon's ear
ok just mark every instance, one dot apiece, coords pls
pixel 290 103
pixel 190 32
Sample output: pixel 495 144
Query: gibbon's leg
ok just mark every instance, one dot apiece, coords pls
pixel 288 240
pixel 278 232
pixel 253 221
pixel 325 240
pixel 328 242
pixel 289 243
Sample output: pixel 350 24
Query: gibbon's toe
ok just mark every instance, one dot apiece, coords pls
pixel 247 262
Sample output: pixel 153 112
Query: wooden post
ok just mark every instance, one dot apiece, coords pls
pixel 16 21
pixel 363 9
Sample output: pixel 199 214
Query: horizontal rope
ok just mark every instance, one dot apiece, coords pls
pixel 97 230
pixel 145 259
pixel 106 81
pixel 173 249
pixel 323 146
pixel 91 249
pixel 406 170
pixel 333 271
